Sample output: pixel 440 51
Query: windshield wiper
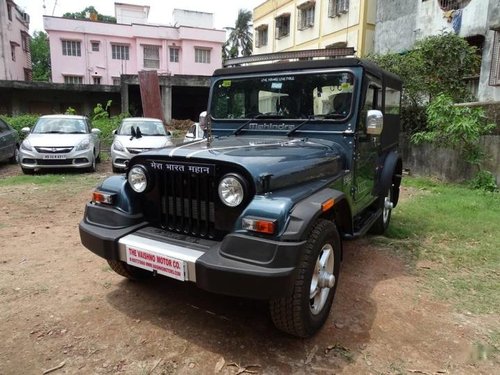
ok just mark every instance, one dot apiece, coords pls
pixel 299 126
pixel 240 128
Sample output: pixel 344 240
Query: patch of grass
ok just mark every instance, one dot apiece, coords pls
pixel 83 179
pixel 457 229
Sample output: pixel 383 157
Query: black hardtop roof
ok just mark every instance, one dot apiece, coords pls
pixel 370 67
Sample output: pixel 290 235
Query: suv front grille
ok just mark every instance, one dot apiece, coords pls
pixel 187 203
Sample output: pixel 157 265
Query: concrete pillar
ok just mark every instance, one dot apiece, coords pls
pixel 166 98
pixel 125 99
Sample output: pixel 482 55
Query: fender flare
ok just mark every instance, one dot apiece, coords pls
pixel 305 213
pixel 390 176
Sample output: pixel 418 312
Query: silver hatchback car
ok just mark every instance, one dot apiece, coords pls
pixel 136 135
pixel 60 141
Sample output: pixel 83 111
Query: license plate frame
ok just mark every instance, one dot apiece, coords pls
pixel 54 157
pixel 156 262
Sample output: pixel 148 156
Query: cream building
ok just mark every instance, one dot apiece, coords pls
pixel 290 25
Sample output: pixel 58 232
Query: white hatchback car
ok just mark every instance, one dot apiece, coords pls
pixel 136 135
pixel 60 141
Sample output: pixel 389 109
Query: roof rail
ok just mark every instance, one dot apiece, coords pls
pixel 304 54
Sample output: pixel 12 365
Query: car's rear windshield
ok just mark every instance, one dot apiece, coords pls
pixel 60 126
pixel 145 127
pixel 288 96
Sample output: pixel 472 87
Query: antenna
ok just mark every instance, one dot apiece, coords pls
pixel 54 8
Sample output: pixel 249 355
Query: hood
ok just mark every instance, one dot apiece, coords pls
pixel 144 142
pixel 288 161
pixel 56 140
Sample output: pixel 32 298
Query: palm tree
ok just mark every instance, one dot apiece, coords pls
pixel 240 37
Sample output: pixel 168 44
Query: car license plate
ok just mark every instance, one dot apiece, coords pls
pixel 58 157
pixel 152 261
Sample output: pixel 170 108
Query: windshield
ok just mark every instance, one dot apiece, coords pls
pixel 146 128
pixel 60 125
pixel 293 96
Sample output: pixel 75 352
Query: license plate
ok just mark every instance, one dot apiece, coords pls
pixel 58 157
pixel 152 261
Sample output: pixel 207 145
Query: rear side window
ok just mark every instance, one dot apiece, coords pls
pixel 392 101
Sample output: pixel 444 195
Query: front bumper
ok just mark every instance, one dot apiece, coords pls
pixel 257 268
pixel 74 159
pixel 120 158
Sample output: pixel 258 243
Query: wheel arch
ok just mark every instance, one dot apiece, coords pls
pixel 390 176
pixel 305 213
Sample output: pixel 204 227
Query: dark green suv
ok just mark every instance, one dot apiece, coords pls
pixel 297 156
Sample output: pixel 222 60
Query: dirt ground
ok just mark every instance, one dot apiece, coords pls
pixel 63 309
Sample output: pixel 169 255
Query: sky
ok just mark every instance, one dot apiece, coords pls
pixel 160 12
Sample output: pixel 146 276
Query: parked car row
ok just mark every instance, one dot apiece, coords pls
pixel 69 141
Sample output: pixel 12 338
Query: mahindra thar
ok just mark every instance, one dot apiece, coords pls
pixel 297 156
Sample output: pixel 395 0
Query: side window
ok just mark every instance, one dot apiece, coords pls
pixel 3 127
pixel 392 101
pixel 373 98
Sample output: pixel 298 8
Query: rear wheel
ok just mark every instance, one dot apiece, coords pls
pixel 130 272
pixel 14 159
pixel 306 310
pixel 382 223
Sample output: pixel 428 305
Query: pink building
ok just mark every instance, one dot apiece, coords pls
pixel 91 52
pixel 15 57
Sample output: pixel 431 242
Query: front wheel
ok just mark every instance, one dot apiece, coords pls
pixel 306 310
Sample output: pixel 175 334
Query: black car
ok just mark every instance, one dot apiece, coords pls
pixel 297 156
pixel 9 143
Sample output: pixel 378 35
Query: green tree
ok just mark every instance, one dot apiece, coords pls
pixel 438 64
pixel 40 56
pixel 87 13
pixel 239 42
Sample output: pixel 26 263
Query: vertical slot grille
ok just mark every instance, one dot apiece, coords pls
pixel 187 203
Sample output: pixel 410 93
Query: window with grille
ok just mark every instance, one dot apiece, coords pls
pixel 261 36
pixel 119 52
pixel 495 61
pixel 447 5
pixel 306 15
pixel 151 57
pixel 13 46
pixel 25 40
pixel 95 46
pixel 174 54
pixel 28 74
pixel 282 26
pixel 202 55
pixel 337 7
pixel 116 81
pixel 71 48
pixel 73 79
pixel 96 80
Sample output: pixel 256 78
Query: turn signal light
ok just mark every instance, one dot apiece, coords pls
pixel 259 225
pixel 101 197
pixel 325 206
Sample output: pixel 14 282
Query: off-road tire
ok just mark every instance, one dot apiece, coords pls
pixel 293 314
pixel 382 223
pixel 130 272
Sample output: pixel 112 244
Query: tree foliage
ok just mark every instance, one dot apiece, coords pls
pixel 239 42
pixel 438 64
pixel 458 127
pixel 86 14
pixel 40 56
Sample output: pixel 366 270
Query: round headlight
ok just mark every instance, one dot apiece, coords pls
pixel 138 179
pixel 231 191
